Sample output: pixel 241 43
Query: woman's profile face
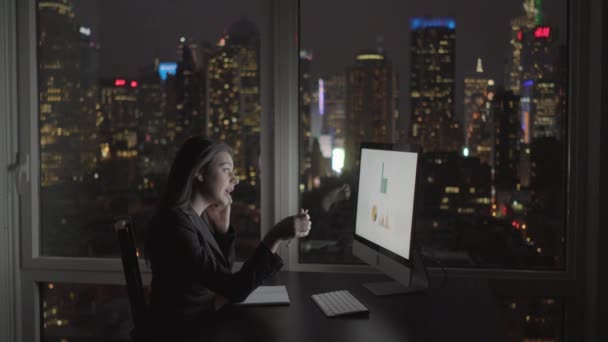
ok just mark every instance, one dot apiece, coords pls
pixel 219 181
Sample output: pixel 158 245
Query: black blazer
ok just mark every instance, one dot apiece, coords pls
pixel 190 264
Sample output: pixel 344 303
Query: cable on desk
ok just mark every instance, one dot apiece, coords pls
pixel 436 261
pixel 445 273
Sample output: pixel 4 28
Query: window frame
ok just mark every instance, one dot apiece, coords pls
pixel 280 184
pixel 9 165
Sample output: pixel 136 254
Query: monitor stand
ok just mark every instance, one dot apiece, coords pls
pixel 419 280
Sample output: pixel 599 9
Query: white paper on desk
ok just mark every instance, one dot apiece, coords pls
pixel 267 295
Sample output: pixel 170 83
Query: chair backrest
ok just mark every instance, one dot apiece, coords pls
pixel 130 265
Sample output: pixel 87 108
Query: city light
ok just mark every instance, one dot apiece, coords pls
pixel 307 55
pixel 105 151
pixel 520 35
pixel 85 31
pixel 525 126
pixel 503 210
pixel 542 32
pixel 452 190
pixel 166 68
pixel 337 159
pixel 370 56
pixel 421 23
pixel 325 145
pixel 465 151
pixel 321 97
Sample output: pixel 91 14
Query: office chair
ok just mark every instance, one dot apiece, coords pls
pixel 130 265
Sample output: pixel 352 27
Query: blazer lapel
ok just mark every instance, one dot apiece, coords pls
pixel 205 230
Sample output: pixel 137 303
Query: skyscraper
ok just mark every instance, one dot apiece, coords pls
pixel 546 104
pixel 119 128
pixel 224 108
pixel 234 103
pixel 371 109
pixel 433 125
pixel 334 97
pixel 540 68
pixel 533 73
pixel 539 54
pixel 155 144
pixel 520 27
pixel 67 92
pixel 478 123
pixel 234 115
pixel 504 108
pixel 190 84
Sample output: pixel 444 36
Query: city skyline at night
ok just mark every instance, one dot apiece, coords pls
pixel 121 86
pixel 162 24
pixel 135 124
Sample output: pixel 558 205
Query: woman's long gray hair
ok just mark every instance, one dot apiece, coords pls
pixel 196 154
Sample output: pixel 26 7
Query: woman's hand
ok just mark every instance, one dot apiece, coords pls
pixel 296 226
pixel 219 217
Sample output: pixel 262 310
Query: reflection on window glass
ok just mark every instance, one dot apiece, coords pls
pixel 78 312
pixel 121 86
pixel 533 319
pixel 483 95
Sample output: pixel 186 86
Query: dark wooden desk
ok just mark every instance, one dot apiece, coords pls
pixel 464 310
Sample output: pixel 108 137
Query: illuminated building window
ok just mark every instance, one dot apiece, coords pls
pixel 452 190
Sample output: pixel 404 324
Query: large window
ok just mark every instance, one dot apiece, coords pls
pixel 121 86
pixel 480 86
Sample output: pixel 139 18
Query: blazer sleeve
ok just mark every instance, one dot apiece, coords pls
pixel 227 244
pixel 197 256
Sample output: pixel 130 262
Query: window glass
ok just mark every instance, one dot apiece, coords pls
pixel 82 312
pixel 121 86
pixel 480 86
pixel 533 318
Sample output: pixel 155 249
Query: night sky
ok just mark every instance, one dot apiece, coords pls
pixel 132 33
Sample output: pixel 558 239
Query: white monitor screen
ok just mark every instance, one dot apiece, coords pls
pixel 385 203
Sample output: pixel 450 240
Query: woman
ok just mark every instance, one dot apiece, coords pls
pixel 190 242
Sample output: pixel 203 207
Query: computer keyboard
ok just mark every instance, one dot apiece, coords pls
pixel 338 303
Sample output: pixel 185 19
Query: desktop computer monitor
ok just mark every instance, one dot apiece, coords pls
pixel 385 217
